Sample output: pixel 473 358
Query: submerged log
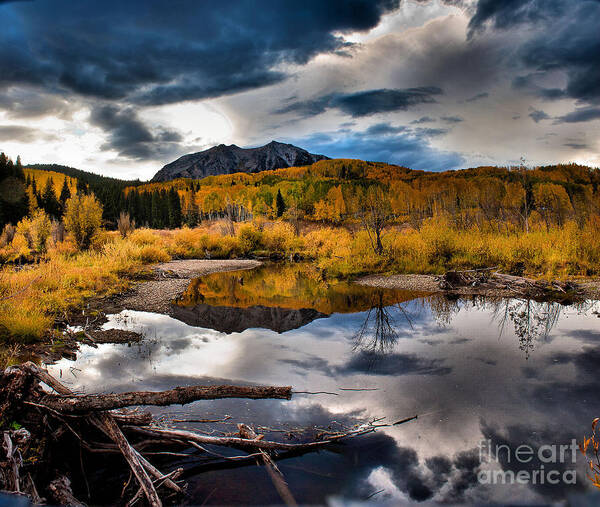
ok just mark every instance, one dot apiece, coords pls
pixel 59 416
pixel 75 404
pixel 274 473
pixel 62 494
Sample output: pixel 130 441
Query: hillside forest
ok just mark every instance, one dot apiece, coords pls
pixel 331 192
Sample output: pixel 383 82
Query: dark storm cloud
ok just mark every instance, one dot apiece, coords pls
pixel 452 119
pixel 448 477
pixel 22 134
pixel 423 119
pixel 477 97
pixel 576 146
pixel 365 103
pixel 383 101
pixel 130 137
pixel 21 103
pixel 537 115
pixel 586 335
pixel 150 52
pixel 410 148
pixel 429 132
pixel 567 399
pixel 392 364
pixel 308 108
pixel 508 13
pixel 384 129
pixel 565 37
pixel 580 115
pixel 516 435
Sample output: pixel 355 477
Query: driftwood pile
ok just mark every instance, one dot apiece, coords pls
pixel 40 425
pixel 517 286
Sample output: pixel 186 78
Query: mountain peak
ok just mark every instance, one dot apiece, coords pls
pixel 223 159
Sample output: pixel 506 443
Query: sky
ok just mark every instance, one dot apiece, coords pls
pixel 122 87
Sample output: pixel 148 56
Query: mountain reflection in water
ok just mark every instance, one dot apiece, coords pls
pixel 511 372
pixel 279 298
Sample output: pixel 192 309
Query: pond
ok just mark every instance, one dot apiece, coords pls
pixel 507 376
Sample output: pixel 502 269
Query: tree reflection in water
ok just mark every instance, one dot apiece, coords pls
pixel 443 308
pixel 379 331
pixel 532 321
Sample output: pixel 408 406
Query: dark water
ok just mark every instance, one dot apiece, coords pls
pixel 506 373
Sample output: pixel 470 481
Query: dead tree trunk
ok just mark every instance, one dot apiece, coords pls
pixel 179 396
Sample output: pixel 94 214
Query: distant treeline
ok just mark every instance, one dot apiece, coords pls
pixel 159 209
pixel 335 191
pixel 332 191
pixel 14 200
pixel 109 191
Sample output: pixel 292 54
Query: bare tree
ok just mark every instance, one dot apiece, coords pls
pixel 58 231
pixel 125 224
pixel 293 214
pixel 375 214
pixel 230 217
pixel 379 331
pixel 524 177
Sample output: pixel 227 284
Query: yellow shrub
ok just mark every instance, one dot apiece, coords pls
pixel 407 251
pixel 279 237
pixel 40 227
pixel 224 247
pixel 26 322
pixel 83 218
pixel 186 243
pixel 588 246
pixel 19 247
pixel 439 238
pixel 144 237
pixel 251 238
pixel 323 242
pixel 150 254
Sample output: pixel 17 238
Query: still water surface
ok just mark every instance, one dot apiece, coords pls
pixel 507 372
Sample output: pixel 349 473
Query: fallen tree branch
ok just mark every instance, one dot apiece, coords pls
pixel 488 279
pixel 272 469
pixel 64 417
pixel 108 425
pixel 180 396
pixel 233 442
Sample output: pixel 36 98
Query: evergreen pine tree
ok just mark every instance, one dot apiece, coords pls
pixel 147 198
pixel 14 201
pixel 156 215
pixel 81 187
pixel 65 195
pixel 280 204
pixel 19 173
pixel 49 201
pixel 164 208
pixel 175 215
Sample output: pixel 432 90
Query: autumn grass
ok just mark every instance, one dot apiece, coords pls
pixel 32 297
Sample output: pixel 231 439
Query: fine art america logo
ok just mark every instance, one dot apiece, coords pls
pixel 548 464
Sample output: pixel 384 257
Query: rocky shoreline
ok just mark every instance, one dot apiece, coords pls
pixel 587 288
pixel 170 281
